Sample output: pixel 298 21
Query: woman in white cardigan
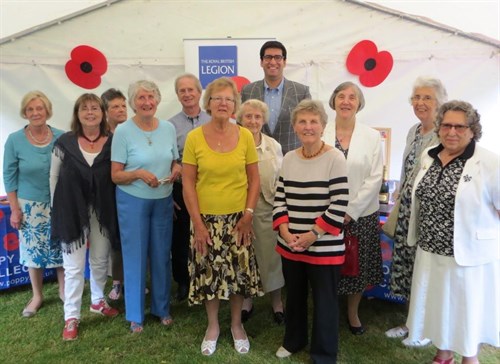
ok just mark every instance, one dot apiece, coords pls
pixel 455 223
pixel 362 149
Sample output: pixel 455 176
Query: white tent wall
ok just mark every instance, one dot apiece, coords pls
pixel 143 39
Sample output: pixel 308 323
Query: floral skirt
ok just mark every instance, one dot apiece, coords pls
pixel 36 250
pixel 227 268
pixel 370 256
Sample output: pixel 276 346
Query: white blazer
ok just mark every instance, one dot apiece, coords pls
pixel 364 168
pixel 476 235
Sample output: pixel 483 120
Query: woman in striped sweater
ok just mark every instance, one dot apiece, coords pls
pixel 309 209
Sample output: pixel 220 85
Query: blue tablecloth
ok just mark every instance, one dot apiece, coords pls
pixel 11 272
pixel 383 290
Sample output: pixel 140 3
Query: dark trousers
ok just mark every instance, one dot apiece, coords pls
pixel 180 239
pixel 323 280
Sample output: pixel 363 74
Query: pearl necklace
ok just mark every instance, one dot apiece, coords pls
pixel 44 141
pixel 309 156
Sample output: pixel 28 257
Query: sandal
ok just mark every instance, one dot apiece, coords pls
pixel 135 328
pixel 167 321
pixel 438 360
pixel 116 292
pixel 242 346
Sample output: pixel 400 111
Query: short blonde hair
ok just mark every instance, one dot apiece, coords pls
pixel 219 84
pixel 255 104
pixel 313 106
pixel 33 95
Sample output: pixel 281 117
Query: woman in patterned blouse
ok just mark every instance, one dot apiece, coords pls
pixel 427 96
pixel 454 221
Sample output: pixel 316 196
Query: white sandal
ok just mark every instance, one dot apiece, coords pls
pixel 242 346
pixel 398 331
pixel 208 347
pixel 421 343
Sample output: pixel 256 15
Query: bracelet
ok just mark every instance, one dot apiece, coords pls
pixel 249 210
pixel 316 233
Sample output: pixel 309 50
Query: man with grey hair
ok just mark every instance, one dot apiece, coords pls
pixel 188 90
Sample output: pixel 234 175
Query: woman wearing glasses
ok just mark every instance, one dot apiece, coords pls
pixel 427 96
pixel 221 188
pixel 454 222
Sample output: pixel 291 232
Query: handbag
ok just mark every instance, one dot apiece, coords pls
pixel 351 263
pixel 389 227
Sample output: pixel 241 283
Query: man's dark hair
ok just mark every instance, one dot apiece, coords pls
pixel 272 44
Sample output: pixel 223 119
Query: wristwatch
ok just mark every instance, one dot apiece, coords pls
pixel 317 233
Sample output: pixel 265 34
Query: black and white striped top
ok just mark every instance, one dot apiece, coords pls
pixel 309 192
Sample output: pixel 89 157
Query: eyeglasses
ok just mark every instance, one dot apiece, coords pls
pixel 269 57
pixel 219 99
pixel 460 129
pixel 425 98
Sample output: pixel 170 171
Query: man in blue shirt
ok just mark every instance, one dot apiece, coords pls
pixel 188 90
pixel 280 95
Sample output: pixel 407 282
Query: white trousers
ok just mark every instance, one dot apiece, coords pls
pixel 74 268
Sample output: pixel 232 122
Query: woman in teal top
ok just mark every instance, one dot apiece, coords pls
pixel 26 167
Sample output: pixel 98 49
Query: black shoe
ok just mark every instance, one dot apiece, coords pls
pixel 245 315
pixel 357 330
pixel 279 317
pixel 182 292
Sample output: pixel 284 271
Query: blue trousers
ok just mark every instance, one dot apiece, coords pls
pixel 146 232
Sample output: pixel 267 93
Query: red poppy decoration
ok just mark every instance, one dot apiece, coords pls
pixel 86 67
pixel 240 81
pixel 369 64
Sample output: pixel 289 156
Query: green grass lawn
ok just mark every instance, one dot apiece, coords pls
pixel 103 340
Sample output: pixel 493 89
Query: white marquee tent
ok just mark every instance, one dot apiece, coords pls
pixel 144 39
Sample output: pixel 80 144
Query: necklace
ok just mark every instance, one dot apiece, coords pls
pixel 309 156
pixel 45 139
pixel 90 140
pixel 150 136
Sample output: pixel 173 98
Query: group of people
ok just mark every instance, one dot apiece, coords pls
pixel 248 220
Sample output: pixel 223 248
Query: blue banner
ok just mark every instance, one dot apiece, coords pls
pixel 216 62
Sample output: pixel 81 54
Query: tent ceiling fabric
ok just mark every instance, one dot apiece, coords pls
pixel 144 39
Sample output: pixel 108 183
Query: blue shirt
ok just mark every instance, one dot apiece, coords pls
pixel 272 97
pixel 131 147
pixel 26 167
pixel 184 124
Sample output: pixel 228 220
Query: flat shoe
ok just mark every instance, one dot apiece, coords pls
pixel 208 347
pixel 398 331
pixel 417 343
pixel 357 330
pixel 242 346
pixel 28 313
pixel 279 317
pixel 245 315
pixel 443 361
pixel 283 353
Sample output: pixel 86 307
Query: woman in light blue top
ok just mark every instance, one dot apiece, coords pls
pixel 144 165
pixel 26 167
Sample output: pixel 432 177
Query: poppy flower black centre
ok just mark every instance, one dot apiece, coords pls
pixel 86 67
pixel 370 64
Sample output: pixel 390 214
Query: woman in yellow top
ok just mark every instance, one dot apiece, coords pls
pixel 220 187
